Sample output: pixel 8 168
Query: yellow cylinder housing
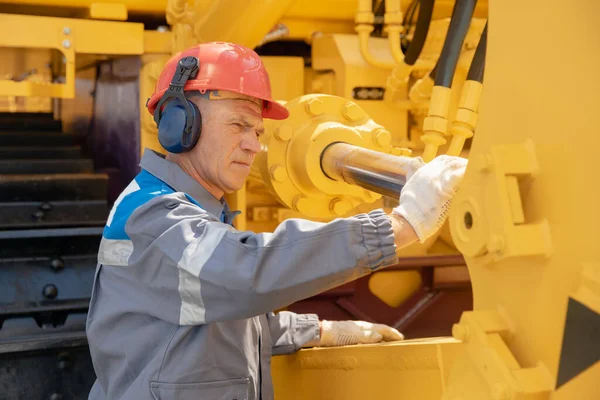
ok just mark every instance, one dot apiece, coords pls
pixel 290 160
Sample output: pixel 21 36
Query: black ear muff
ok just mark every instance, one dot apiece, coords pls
pixel 179 130
pixel 178 119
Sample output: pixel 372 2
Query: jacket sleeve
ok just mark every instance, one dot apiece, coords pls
pixel 291 331
pixel 212 272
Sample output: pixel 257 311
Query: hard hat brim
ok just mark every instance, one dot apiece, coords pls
pixel 271 109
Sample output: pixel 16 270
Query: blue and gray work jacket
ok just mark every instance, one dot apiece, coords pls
pixel 181 304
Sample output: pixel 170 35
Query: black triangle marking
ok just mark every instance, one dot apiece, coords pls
pixel 581 342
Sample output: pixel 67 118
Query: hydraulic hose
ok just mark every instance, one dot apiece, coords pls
pixel 418 41
pixel 478 64
pixel 457 31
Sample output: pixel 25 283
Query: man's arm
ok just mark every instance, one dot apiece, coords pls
pixel 195 269
pixel 219 273
pixel 291 331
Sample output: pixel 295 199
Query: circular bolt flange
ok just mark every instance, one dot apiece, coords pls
pixel 382 137
pixel 57 264
pixel 284 133
pixel 277 173
pixel 340 206
pixel 66 43
pixel 314 107
pixel 353 112
pixel 460 332
pixel 50 291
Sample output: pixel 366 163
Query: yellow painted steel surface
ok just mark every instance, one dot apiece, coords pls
pixel 409 370
pixel 531 206
pixel 69 36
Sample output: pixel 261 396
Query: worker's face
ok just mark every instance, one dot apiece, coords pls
pixel 228 143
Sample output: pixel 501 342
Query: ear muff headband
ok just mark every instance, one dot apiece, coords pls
pixel 179 123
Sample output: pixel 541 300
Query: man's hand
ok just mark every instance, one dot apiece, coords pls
pixel 427 196
pixel 343 333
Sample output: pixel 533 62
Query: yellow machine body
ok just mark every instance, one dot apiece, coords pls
pixel 525 220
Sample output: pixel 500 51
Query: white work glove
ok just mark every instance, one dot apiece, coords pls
pixel 427 196
pixel 344 333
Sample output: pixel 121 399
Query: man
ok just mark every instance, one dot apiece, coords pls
pixel 182 301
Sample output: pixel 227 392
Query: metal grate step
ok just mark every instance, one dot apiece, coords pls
pixel 29 121
pixel 49 242
pixel 27 138
pixel 37 152
pixel 53 187
pixel 53 214
pixel 46 166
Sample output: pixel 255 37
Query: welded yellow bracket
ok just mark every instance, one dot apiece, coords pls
pixel 489 370
pixel 498 228
pixel 69 36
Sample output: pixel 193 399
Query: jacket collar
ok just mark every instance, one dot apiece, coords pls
pixel 171 174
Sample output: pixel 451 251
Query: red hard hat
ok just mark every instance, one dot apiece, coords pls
pixel 223 66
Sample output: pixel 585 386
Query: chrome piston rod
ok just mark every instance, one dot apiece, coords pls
pixel 378 172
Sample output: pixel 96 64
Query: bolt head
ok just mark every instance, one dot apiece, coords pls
pixel 382 138
pixel 57 264
pixel 314 107
pixel 460 332
pixel 67 30
pixel 284 133
pixel 66 43
pixel 340 206
pixel 278 173
pixel 50 291
pixel 300 204
pixel 352 112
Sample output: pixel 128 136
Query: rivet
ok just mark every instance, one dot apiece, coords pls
pixel 460 332
pixel 64 361
pixel 46 207
pixel 277 173
pixel 66 43
pixel 57 264
pixel 382 138
pixel 67 30
pixel 38 215
pixel 284 133
pixel 339 206
pixel 50 291
pixel 314 107
pixel 352 112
